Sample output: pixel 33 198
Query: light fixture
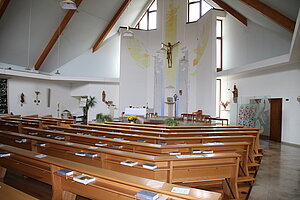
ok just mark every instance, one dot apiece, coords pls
pixel 57 72
pixel 128 33
pixel 162 49
pixel 68 4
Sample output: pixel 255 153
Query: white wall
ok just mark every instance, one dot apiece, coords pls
pixel 60 93
pixel 277 83
pixel 247 44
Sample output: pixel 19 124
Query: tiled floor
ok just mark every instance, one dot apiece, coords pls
pixel 279 175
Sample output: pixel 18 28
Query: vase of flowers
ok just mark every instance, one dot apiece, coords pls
pixel 132 118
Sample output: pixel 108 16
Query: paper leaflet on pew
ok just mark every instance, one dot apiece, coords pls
pixel 21 140
pixel 2 155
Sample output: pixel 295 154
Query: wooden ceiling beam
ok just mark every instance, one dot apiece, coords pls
pixel 271 13
pixel 55 36
pixel 231 11
pixel 3 6
pixel 111 25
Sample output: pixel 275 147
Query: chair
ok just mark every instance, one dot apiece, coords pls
pixel 197 115
pixel 66 114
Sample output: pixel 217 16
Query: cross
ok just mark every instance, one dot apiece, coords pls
pixel 169 49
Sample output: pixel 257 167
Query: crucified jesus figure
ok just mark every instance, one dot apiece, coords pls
pixel 169 49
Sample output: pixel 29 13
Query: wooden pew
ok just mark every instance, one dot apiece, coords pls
pixel 168 140
pixel 170 168
pixel 8 193
pixel 167 127
pixel 108 184
pixel 62 120
pixel 10 116
pixel 16 125
pixel 253 149
pixel 184 131
pixel 242 148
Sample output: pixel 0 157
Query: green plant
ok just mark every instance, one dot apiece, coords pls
pixel 90 102
pixel 172 122
pixel 103 118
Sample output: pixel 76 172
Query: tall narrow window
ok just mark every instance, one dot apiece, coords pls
pixel 219 43
pixel 148 20
pixel 218 97
pixel 196 9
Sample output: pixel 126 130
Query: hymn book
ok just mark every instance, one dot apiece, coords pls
pixel 85 179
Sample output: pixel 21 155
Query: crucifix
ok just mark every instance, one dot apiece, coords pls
pixel 169 48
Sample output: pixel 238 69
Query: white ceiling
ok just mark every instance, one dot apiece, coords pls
pixel 86 26
pixel 83 30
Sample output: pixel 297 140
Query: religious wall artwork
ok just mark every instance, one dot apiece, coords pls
pixel 3 96
pixel 103 96
pixel 37 101
pixel 171 24
pixel 138 52
pixel 247 115
pixel 235 94
pixel 22 99
pixel 169 47
pixel 202 42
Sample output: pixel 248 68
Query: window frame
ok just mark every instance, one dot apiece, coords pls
pixel 219 81
pixel 220 68
pixel 137 26
pixel 200 9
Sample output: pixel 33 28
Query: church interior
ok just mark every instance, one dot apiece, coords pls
pixel 149 99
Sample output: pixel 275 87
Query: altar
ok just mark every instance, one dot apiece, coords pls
pixel 138 111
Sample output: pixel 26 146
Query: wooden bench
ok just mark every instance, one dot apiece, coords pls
pixel 168 127
pixel 137 135
pixel 187 130
pixel 242 148
pixel 108 184
pixel 170 169
pixel 154 149
pixel 205 132
pixel 9 193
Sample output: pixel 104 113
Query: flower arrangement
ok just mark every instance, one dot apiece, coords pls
pixel 224 104
pixel 132 118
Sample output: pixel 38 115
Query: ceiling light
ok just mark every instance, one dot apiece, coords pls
pixel 128 33
pixel 68 4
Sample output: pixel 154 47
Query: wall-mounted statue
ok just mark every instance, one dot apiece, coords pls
pixel 37 101
pixel 235 94
pixel 22 99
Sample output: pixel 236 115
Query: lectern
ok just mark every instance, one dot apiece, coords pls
pixel 170 109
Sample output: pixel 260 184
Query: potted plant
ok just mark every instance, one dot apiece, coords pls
pixel 90 102
pixel 103 118
pixel 132 118
pixel 172 122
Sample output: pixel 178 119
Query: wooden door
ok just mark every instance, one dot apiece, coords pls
pixel 275 119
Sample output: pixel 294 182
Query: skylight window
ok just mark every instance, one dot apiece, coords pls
pixel 148 21
pixel 196 9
